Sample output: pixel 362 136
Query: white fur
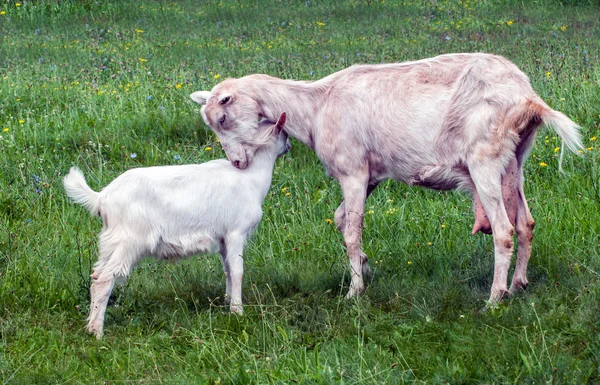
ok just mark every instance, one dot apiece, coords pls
pixel 176 211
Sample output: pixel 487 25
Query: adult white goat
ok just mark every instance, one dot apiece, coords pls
pixel 176 211
pixel 458 121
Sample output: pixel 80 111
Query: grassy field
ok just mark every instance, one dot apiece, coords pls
pixel 105 85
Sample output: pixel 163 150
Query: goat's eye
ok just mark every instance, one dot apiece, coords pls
pixel 222 119
pixel 225 100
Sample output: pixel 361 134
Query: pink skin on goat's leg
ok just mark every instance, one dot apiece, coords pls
pixel 510 196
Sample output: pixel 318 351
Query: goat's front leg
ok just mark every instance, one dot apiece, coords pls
pixel 340 222
pixel 234 244
pixel 354 188
pixel 226 270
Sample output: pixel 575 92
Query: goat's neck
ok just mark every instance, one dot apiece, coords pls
pixel 300 100
pixel 260 171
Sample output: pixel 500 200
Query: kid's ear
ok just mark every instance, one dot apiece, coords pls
pixel 201 97
pixel 280 123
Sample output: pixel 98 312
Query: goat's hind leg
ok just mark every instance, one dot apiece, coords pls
pixel 487 176
pixel 117 264
pixel 525 225
pixel 510 197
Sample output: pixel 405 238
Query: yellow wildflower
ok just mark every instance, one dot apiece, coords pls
pixel 509 23
pixel 409 263
pixel 443 226
pixel 21 121
pixel 2 12
pixel 178 85
pixel 592 138
pixel 548 73
pixel 563 28
pixel 329 221
pixel 5 130
pixel 590 148
pixel 320 24
pixel 139 30
pixel 287 194
pixel 142 60
pixel 208 148
pixel 17 4
pixel 542 164
pixel 217 76
pixel 284 189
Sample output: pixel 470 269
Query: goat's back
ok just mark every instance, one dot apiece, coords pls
pixel 212 196
pixel 399 116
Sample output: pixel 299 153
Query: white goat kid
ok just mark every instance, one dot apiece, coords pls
pixel 458 121
pixel 176 211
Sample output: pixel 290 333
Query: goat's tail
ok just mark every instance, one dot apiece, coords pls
pixel 564 127
pixel 537 110
pixel 78 190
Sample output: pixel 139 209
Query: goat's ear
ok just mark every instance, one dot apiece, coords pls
pixel 224 99
pixel 200 97
pixel 280 123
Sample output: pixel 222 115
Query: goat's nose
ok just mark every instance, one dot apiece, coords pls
pixel 236 163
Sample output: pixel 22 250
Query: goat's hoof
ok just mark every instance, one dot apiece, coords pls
pixel 354 291
pixel 517 287
pixel 237 309
pixel 494 302
pixel 98 333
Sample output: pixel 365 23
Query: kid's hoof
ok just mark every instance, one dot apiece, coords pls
pixel 237 309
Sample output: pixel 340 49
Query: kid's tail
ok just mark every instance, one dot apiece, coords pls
pixel 78 190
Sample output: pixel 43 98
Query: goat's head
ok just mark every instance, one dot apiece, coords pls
pixel 273 136
pixel 233 117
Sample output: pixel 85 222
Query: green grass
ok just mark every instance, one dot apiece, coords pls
pixel 91 83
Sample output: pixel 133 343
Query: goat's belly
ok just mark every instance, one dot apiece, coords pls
pixel 184 246
pixel 439 177
pixel 436 184
pixel 442 177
